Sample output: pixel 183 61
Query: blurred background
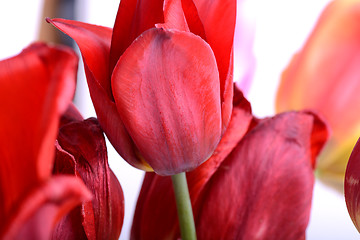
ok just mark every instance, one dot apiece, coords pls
pixel 282 26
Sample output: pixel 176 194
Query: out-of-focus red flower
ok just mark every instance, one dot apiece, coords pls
pixel 36 87
pixel 161 80
pixel 352 186
pixel 81 151
pixel 257 185
pixel 325 76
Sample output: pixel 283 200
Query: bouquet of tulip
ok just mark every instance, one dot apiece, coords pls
pixel 161 82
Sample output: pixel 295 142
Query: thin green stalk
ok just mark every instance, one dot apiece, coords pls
pixel 184 209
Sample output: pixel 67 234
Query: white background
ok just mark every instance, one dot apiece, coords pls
pixel 281 28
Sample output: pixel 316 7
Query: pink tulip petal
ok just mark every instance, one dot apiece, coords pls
pixel 35 88
pixel 43 207
pixel 166 89
pixel 103 217
pixel 324 76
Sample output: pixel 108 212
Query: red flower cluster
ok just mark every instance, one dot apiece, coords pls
pixel 161 84
pixel 37 186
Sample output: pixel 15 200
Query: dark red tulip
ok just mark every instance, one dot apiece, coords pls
pixel 36 87
pixel 257 185
pixel 161 80
pixel 81 151
pixel 352 186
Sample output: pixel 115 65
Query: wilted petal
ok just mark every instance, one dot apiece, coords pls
pixel 325 76
pixel 43 207
pixel 35 88
pixel 102 218
pixel 352 186
pixel 166 89
pixel 265 184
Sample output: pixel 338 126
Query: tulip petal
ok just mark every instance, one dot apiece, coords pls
pixel 218 18
pixel 270 179
pixel 155 214
pixel 166 89
pixel 35 88
pixel 153 218
pixel 42 208
pixel 193 18
pixel 264 184
pixel 324 76
pixel 72 114
pixel 239 125
pixel 352 186
pixel 174 16
pixel 132 19
pixel 94 44
pixel 103 217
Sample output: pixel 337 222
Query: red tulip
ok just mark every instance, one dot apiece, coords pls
pixel 81 151
pixel 161 80
pixel 36 87
pixel 325 76
pixel 352 187
pixel 258 185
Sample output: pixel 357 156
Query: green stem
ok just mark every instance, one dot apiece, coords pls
pixel 183 203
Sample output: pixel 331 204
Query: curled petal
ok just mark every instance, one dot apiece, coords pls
pixel 102 218
pixel 41 209
pixel 36 87
pixel 166 89
pixel 352 186
pixel 94 43
pixel 324 76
